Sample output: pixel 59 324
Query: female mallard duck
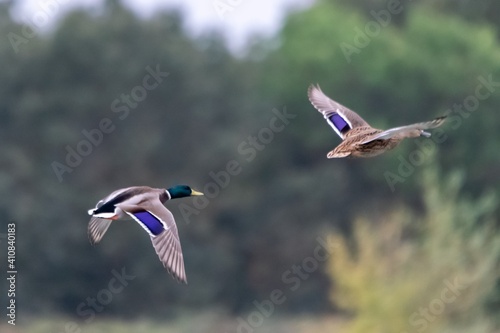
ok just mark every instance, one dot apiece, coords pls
pixel 145 205
pixel 359 138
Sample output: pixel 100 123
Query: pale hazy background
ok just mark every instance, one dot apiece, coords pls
pixel 248 17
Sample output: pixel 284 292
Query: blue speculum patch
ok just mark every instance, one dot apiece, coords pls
pixel 150 221
pixel 339 123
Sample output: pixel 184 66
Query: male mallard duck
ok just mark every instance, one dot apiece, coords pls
pixel 359 138
pixel 145 205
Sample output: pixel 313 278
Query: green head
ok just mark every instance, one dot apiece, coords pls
pixel 181 191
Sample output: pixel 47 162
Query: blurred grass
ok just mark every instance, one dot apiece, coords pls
pixel 208 322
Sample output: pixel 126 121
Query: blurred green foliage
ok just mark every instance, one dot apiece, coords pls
pixel 62 84
pixel 432 273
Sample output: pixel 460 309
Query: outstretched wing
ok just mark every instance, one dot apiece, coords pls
pixel 97 228
pixel 340 118
pixel 159 223
pixel 408 131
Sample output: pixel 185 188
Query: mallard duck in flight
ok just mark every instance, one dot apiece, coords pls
pixel 359 138
pixel 145 205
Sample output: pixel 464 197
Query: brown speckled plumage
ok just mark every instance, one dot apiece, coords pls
pixel 359 138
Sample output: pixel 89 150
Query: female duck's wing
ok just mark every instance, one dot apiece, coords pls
pixel 340 118
pixel 409 131
pixel 159 223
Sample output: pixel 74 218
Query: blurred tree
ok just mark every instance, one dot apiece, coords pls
pixel 473 10
pixel 433 273
pixel 58 89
